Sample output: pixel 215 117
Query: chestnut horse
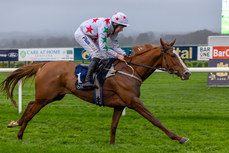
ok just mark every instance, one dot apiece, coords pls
pixel 55 79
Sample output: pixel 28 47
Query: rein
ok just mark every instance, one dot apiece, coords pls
pixel 146 66
pixel 163 50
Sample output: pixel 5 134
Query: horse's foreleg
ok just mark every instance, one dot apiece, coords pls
pixel 116 116
pixel 28 116
pixel 138 106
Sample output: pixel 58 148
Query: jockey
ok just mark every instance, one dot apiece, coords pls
pixel 92 36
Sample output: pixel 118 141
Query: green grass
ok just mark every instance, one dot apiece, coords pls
pixel 188 108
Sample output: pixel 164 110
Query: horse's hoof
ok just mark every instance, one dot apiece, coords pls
pixel 12 124
pixel 19 139
pixel 183 140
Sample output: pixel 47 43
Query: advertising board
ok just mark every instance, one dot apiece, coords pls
pixel 218 79
pixel 225 17
pixel 9 55
pixel 46 54
pixel 81 54
pixel 204 53
pixel 220 52
pixel 187 52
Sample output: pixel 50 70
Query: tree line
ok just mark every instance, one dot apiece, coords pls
pixel 193 38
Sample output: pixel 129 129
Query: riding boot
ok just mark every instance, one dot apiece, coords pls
pixel 91 69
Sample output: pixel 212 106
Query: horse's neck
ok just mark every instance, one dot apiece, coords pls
pixel 151 58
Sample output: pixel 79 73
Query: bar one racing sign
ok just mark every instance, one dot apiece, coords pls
pixel 220 52
pixel 204 53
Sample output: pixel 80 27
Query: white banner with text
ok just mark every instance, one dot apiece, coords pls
pixel 46 54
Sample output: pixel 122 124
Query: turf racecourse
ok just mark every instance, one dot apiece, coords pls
pixel 187 108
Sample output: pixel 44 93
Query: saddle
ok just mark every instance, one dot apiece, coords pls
pixel 98 78
pixel 102 65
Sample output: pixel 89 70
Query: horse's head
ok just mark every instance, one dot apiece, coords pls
pixel 172 62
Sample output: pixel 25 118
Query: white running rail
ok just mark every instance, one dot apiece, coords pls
pixel 206 69
pixel 197 69
pixel 19 88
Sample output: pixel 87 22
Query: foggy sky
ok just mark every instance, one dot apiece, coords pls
pixel 64 16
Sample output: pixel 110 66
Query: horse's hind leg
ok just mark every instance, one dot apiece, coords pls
pixel 28 115
pixel 20 121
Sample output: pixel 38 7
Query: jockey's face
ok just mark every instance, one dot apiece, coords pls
pixel 118 29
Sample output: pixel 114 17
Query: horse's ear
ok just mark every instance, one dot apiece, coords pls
pixel 173 42
pixel 162 42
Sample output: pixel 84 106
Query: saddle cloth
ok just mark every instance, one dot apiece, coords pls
pixel 98 78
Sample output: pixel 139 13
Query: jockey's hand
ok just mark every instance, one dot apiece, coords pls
pixel 126 55
pixel 120 57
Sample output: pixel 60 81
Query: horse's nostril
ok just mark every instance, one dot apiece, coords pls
pixel 187 73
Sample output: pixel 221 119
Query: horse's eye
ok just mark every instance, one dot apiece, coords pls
pixel 173 55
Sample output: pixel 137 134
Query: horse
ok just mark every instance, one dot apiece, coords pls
pixel 53 80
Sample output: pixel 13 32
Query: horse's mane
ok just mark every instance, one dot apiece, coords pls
pixel 138 50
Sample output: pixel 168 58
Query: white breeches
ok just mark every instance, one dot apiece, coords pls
pixel 89 45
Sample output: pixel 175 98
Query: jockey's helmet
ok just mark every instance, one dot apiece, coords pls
pixel 120 18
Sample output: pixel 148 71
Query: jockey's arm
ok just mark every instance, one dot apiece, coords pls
pixel 102 41
pixel 116 45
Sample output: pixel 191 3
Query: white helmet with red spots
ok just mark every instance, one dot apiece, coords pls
pixel 120 18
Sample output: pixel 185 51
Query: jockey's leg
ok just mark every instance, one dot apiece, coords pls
pixel 87 43
pixel 92 48
pixel 91 69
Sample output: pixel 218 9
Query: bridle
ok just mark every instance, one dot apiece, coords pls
pixel 163 57
pixel 163 50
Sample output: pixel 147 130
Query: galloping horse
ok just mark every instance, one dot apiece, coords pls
pixel 55 79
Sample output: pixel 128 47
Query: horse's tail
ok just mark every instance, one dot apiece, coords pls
pixel 10 82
